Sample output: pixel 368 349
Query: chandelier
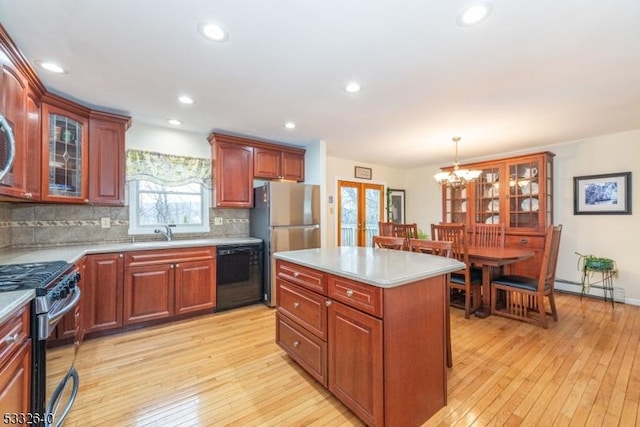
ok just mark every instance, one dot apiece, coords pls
pixel 457 177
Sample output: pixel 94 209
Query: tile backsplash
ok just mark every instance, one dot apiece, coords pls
pixel 25 225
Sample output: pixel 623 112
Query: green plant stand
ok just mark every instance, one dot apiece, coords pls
pixel 592 265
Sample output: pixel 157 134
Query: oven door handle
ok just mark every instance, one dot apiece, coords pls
pixel 54 318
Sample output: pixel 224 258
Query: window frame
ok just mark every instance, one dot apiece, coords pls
pixel 135 229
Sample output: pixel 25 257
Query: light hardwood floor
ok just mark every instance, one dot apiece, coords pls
pixel 225 369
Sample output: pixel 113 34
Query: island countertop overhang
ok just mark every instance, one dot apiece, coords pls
pixel 384 268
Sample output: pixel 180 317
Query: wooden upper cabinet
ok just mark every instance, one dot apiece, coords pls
pixel 13 105
pixel 65 155
pixel 238 160
pixel 33 148
pixel 278 164
pixel 106 159
pixel 267 164
pixel 233 175
pixel 516 191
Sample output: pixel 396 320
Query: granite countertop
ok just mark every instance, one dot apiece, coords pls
pixel 11 301
pixel 384 268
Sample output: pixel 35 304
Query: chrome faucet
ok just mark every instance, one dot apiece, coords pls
pixel 167 233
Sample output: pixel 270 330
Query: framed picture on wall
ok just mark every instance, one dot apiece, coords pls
pixel 396 206
pixel 363 173
pixel 607 194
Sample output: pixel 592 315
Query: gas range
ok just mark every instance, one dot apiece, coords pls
pixel 57 294
pixel 37 275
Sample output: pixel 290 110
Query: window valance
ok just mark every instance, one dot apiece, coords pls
pixel 167 169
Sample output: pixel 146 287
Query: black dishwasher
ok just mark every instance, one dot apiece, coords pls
pixel 238 275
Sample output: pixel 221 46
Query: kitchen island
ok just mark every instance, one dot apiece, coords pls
pixel 369 324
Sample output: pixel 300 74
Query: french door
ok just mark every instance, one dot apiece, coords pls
pixel 360 208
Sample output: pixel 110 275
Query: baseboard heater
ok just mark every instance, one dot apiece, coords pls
pixel 595 291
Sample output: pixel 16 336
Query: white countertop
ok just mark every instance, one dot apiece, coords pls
pixel 11 301
pixel 73 253
pixel 384 268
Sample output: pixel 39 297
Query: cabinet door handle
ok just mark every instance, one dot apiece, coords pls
pixel 328 303
pixel 11 338
pixel 296 304
pixel 120 255
pixel 178 265
pixel 349 293
pixel 296 343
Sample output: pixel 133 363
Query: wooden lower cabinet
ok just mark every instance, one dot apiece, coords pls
pixel 355 361
pixel 131 288
pixel 15 363
pixel 164 283
pixel 195 288
pixel 148 293
pixel 376 349
pixel 102 293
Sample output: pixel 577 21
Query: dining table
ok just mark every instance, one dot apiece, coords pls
pixel 487 258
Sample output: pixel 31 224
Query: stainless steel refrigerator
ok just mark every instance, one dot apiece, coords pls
pixel 286 217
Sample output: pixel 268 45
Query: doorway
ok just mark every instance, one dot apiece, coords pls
pixel 360 208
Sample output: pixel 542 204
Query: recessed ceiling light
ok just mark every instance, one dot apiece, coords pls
pixel 174 122
pixel 290 125
pixel 51 66
pixel 185 99
pixel 352 87
pixel 213 31
pixel 475 14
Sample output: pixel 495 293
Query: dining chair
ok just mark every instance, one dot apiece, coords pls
pixel 445 249
pixel 524 295
pixel 488 235
pixel 465 280
pixel 388 242
pixel 408 231
pixel 386 229
pixel 434 247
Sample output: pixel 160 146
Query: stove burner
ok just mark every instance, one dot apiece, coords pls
pixel 30 275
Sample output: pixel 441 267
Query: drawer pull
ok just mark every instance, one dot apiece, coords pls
pixel 296 343
pixel 524 241
pixel 296 304
pixel 296 274
pixel 11 338
pixel 349 293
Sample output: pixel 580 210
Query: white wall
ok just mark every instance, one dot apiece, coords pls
pixel 610 236
pixel 142 136
pixel 343 170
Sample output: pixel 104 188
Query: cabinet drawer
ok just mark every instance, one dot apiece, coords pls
pixel 308 350
pixel 357 295
pixel 306 308
pixel 524 242
pixel 14 331
pixel 167 256
pixel 307 277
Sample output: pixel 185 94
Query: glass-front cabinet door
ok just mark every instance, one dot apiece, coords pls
pixel 456 207
pixel 487 207
pixel 526 196
pixel 64 177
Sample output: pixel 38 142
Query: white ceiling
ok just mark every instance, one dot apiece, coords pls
pixel 535 73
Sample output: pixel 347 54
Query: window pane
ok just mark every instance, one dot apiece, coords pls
pixel 158 204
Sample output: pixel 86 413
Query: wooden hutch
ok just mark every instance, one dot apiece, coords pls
pixel 517 191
